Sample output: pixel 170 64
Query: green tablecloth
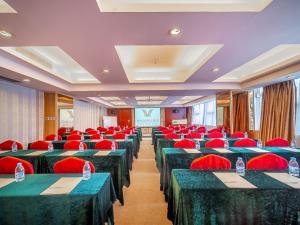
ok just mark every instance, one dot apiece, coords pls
pixel 200 198
pixel 114 163
pixel 89 203
pixel 177 158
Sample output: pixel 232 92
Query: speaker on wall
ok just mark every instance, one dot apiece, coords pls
pixel 113 112
pixel 175 111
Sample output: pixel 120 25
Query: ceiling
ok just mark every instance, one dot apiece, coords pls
pixel 127 53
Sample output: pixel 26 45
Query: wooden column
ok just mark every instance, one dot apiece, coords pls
pixel 50 114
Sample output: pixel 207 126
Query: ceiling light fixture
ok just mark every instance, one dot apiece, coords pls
pixel 216 69
pixel 26 80
pixel 5 34
pixel 105 70
pixel 174 31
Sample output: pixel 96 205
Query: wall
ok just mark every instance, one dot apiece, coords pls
pixel 124 116
pixel 170 115
pixel 21 113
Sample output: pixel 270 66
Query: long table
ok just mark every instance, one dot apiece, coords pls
pixel 30 202
pixel 112 162
pixel 178 158
pixel 206 197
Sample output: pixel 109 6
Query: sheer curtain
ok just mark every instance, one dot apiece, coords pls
pixel 204 113
pixel 21 113
pixel 297 130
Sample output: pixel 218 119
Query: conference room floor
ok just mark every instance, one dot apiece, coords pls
pixel 144 202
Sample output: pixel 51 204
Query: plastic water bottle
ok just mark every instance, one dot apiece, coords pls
pixel 182 136
pixel 86 171
pixel 246 135
pixel 14 147
pixel 202 135
pixel 81 147
pixel 226 144
pixel 82 137
pixel 293 167
pixel 101 137
pixel 50 147
pixel 293 143
pixel 240 167
pixel 224 135
pixel 198 146
pixel 55 138
pixel 19 173
pixel 98 131
pixel 126 136
pixel 259 144
pixel 113 146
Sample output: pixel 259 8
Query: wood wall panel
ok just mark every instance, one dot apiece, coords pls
pixel 50 114
pixel 124 116
pixel 170 115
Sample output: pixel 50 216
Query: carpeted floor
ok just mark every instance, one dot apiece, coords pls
pixel 144 202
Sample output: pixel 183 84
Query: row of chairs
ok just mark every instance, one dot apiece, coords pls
pixel 110 130
pixel 170 134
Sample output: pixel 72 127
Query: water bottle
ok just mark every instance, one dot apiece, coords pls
pixel 113 146
pixel 224 135
pixel 86 171
pixel 82 137
pixel 226 144
pixel 98 131
pixel 81 147
pixel 259 144
pixel 101 137
pixel 293 143
pixel 14 147
pixel 19 173
pixel 245 135
pixel 182 136
pixel 198 146
pixel 50 147
pixel 55 138
pixel 293 167
pixel 202 135
pixel 126 136
pixel 240 167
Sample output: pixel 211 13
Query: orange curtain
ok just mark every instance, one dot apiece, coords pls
pixel 278 111
pixel 189 115
pixel 240 112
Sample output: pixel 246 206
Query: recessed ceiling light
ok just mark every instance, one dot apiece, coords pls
pixel 105 70
pixel 216 69
pixel 5 34
pixel 26 80
pixel 174 31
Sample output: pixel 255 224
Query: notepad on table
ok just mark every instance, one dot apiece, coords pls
pixel 222 150
pixel 291 149
pixel 68 153
pixel 36 153
pixel 102 153
pixel 63 186
pixel 257 150
pixel 191 150
pixel 5 181
pixel 233 180
pixel 286 178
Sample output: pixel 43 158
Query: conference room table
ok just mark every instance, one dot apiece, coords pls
pixel 179 158
pixel 57 199
pixel 113 162
pixel 223 197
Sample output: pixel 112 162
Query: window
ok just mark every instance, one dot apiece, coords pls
pixel 198 113
pixel 297 82
pixel 204 113
pixel 257 103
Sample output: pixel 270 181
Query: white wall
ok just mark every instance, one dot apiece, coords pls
pixel 21 113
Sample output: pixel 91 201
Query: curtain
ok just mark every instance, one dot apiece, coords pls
pixel 240 111
pixel 278 111
pixel 21 113
pixel 189 115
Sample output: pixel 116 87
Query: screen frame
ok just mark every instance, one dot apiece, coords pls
pixel 147 108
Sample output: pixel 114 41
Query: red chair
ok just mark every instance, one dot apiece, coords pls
pixel 194 135
pixel 117 128
pixel 88 129
pixel 237 135
pixel 39 145
pixel 61 131
pixel 101 129
pixel 167 131
pixel 216 143
pixel 185 143
pixel 215 135
pixel 215 130
pixel 105 145
pixel 6 145
pixel 74 137
pixel 128 131
pixel 267 161
pixel 278 142
pixel 71 165
pixel 52 137
pixel 73 145
pixel 201 130
pixel 161 128
pixel 246 142
pixel 184 131
pixel 211 162
pixel 91 132
pixel 172 136
pixel 8 165
pixel 95 136
pixel 119 136
pixel 109 132
pixel 76 132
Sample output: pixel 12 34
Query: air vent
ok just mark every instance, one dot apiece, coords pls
pixel 9 80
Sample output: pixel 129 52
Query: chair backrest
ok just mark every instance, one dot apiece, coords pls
pixel 278 142
pixel 184 131
pixel 215 130
pixel 6 145
pixel 194 135
pixel 61 131
pixel 216 143
pixel 185 143
pixel 51 137
pixel 201 130
pixel 91 132
pixel 161 128
pixel 246 142
pixel 74 137
pixel 8 165
pixel 76 132
pixel 73 145
pixel 95 136
pixel 105 145
pixel 237 134
pixel 119 136
pixel 39 145
pixel 166 131
pixel 109 132
pixel 88 129
pixel 215 135
pixel 101 129
pixel 211 162
pixel 71 165
pixel 267 161
pixel 171 136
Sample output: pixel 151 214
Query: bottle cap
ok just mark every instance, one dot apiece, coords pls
pixel 19 164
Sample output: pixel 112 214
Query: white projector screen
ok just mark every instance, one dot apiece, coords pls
pixel 147 117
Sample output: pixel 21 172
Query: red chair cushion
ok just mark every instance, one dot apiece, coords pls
pixel 6 145
pixel 109 132
pixel 71 165
pixel 185 143
pixel 8 165
pixel 246 142
pixel 167 131
pixel 184 131
pixel 278 142
pixel 39 145
pixel 51 137
pixel 194 135
pixel 95 136
pixel 201 130
pixel 88 129
pixel 215 130
pixel 73 145
pixel 215 135
pixel 172 136
pixel 216 143
pixel 267 161
pixel 211 162
pixel 237 135
pixel 74 137
pixel 91 132
pixel 105 145
pixel 119 136
pixel 76 132
pixel 101 129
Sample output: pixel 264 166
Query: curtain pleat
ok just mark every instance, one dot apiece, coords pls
pixel 240 112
